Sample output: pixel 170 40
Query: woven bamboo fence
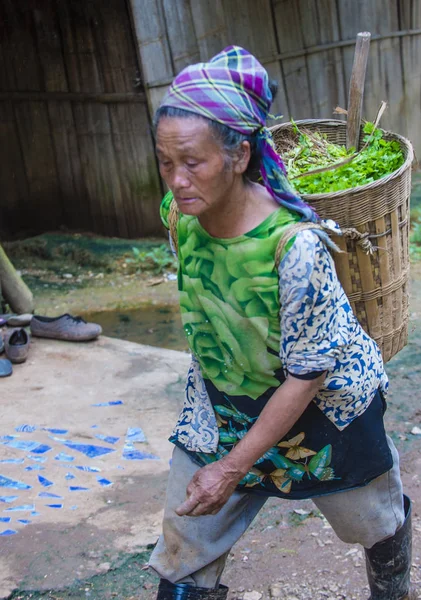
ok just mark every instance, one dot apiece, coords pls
pixel 80 80
pixel 374 264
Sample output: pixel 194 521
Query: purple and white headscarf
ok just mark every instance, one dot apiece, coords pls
pixel 233 89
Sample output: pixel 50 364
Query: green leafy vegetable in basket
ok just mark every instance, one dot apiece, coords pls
pixel 312 151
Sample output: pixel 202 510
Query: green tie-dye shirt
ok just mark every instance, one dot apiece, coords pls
pixel 229 300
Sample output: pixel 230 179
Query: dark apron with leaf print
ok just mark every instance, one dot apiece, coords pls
pixel 313 459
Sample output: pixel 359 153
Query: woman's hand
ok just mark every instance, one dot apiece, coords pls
pixel 209 489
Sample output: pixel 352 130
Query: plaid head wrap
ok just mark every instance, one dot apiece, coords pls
pixel 233 89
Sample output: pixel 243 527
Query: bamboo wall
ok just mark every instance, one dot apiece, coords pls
pixel 75 143
pixel 307 45
pixel 80 79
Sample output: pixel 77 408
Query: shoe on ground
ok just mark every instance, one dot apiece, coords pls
pixel 19 320
pixel 16 345
pixel 6 368
pixel 65 327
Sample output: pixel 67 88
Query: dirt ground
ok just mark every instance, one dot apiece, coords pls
pixel 286 554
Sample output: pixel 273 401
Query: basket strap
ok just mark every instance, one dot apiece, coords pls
pixel 173 217
pixel 289 233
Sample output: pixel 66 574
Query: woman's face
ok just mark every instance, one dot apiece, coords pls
pixel 193 165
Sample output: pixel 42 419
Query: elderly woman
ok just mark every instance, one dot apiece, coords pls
pixel 285 393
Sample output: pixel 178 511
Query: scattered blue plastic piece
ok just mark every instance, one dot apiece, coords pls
pixel 14 484
pixel 54 505
pixel 35 468
pixel 34 513
pixel 130 453
pixel 58 439
pixel 94 426
pixel 20 508
pixel 78 488
pixel 25 428
pixel 12 461
pixel 64 457
pixel 48 495
pixel 89 450
pixel 88 469
pixel 44 482
pixel 8 532
pixel 57 431
pixel 107 438
pixel 8 498
pixel 73 507
pixel 22 445
pixel 104 482
pixel 39 459
pixel 41 449
pixel 111 403
pixel 70 476
pixel 7 438
pixel 4 519
pixel 135 434
pixel 24 521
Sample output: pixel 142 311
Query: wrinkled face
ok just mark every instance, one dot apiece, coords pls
pixel 193 165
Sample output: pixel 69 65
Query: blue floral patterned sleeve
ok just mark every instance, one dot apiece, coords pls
pixel 319 332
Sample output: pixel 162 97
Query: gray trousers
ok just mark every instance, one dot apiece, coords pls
pixel 194 549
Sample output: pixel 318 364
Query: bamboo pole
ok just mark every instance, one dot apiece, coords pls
pixel 356 89
pixel 14 289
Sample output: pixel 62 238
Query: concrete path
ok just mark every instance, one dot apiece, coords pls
pixel 76 532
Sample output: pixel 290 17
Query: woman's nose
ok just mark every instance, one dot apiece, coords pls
pixel 180 178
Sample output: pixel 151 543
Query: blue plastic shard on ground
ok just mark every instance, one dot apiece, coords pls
pixel 54 505
pixel 88 469
pixel 64 457
pixel 38 459
pixel 8 532
pixel 135 434
pixel 25 428
pixel 24 521
pixel 4 519
pixel 107 438
pixel 77 488
pixel 20 508
pixel 69 476
pixel 8 498
pixel 56 431
pixel 12 461
pixel 89 450
pixel 41 449
pixel 104 482
pixel 58 439
pixel 130 453
pixel 111 403
pixel 5 482
pixel 44 482
pixel 7 438
pixel 34 513
pixel 22 445
pixel 35 468
pixel 48 495
pixel 73 507
pixel 94 426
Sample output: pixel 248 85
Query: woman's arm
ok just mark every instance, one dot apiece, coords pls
pixel 212 485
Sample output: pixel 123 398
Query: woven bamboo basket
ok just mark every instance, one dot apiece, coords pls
pixel 374 265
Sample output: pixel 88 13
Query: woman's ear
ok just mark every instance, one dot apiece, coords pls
pixel 242 159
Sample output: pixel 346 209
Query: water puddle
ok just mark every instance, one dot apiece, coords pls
pixel 155 326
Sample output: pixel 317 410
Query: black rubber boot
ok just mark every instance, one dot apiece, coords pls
pixel 389 563
pixel 184 591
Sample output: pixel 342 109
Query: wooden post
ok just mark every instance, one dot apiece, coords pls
pixel 14 289
pixel 356 89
